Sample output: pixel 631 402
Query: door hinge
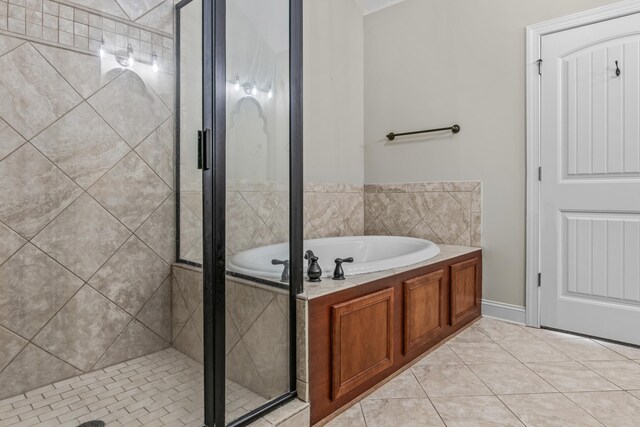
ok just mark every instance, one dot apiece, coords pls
pixel 539 279
pixel 539 62
pixel 539 173
pixel 204 149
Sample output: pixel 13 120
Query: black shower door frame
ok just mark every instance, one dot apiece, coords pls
pixel 214 207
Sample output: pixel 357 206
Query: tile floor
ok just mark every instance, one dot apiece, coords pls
pixel 493 373
pixel 163 388
pixel 499 374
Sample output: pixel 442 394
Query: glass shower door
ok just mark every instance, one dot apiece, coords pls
pixel 257 206
pixel 250 153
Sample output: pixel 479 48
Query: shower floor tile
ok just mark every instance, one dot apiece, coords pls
pixel 163 388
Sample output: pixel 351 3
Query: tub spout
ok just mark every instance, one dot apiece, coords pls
pixel 308 255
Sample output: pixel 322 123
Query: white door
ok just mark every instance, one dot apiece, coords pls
pixel 590 189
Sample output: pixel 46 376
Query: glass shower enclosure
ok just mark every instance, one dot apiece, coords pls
pixel 239 133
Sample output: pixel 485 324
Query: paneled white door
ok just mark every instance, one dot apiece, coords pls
pixel 590 189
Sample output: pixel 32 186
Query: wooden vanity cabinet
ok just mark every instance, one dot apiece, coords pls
pixel 425 309
pixel 466 291
pixel 361 335
pixel 361 340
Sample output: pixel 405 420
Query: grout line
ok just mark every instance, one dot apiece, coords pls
pixel 15 47
pixel 427 396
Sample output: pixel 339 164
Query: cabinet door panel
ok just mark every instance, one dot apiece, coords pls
pixel 465 289
pixel 362 340
pixel 425 309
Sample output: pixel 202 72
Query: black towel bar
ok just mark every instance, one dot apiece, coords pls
pixel 455 129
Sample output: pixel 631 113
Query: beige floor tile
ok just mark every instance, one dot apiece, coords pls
pixel 441 356
pixel 612 408
pixel 497 330
pixel 475 411
pixel 471 334
pixel 404 385
pixel 511 379
pixel 627 351
pixel 584 350
pixel 571 376
pixel 624 373
pixel 548 410
pixel 352 417
pixel 533 351
pixel 449 380
pixel 482 352
pixel 400 412
pixel 548 335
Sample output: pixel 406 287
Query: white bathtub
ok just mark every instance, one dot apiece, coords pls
pixel 370 254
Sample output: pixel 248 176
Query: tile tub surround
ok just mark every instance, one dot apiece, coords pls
pixel 483 376
pixel 87 212
pixel 443 212
pixel 258 215
pixel 257 339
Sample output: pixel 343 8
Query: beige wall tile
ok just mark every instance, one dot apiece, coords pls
pixel 34 191
pixel 27 79
pixel 71 238
pixel 25 304
pixel 84 329
pixel 33 368
pixel 443 212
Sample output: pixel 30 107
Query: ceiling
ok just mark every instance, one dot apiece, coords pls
pixel 372 5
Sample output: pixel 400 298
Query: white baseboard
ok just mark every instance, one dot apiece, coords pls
pixel 502 311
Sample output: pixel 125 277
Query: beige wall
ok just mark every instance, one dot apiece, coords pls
pixel 434 63
pixel 333 92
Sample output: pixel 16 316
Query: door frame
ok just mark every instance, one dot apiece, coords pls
pixel 534 34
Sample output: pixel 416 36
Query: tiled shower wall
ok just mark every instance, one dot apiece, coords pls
pixel 86 187
pixel 257 325
pixel 443 212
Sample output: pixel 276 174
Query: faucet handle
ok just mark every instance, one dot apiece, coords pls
pixel 338 273
pixel 285 271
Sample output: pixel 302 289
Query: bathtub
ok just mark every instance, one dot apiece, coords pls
pixel 370 254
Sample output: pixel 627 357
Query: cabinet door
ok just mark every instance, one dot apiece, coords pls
pixel 361 340
pixel 425 309
pixel 465 289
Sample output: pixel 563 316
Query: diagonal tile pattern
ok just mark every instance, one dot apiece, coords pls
pixel 137 8
pixel 34 191
pixel 25 304
pixel 77 334
pixel 54 147
pixel 257 329
pixel 444 212
pixel 10 139
pixel 135 119
pixel 82 145
pixel 131 191
pixel 131 276
pixel 451 386
pixel 83 237
pixel 83 72
pixel 34 95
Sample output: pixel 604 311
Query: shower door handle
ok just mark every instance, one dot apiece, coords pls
pixel 204 149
